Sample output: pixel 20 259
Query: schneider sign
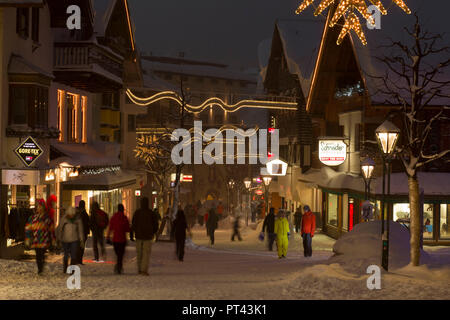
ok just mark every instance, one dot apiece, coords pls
pixel 332 152
pixel 29 151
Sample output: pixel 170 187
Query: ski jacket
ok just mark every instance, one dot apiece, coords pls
pixel 281 227
pixel 119 226
pixel 70 229
pixel 269 223
pixel 308 223
pixel 40 231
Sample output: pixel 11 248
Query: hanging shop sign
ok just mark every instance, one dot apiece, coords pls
pixel 21 177
pixel 29 151
pixel 276 167
pixel 332 152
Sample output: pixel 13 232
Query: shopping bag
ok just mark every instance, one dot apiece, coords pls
pixel 261 236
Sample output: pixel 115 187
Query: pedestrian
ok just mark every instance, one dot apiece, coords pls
pixel 144 226
pixel 71 234
pixel 98 222
pixel 308 228
pixel 298 219
pixel 40 233
pixel 180 226
pixel 236 229
pixel 269 227
pixel 81 212
pixel 282 231
pixel 212 224
pixel 119 226
pixel 205 217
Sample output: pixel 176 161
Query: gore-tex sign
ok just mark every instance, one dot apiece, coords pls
pixel 332 152
pixel 29 151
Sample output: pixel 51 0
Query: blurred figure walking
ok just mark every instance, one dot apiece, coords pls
pixel 180 226
pixel 71 234
pixel 212 224
pixel 298 219
pixel 236 229
pixel 119 226
pixel 99 222
pixel 269 226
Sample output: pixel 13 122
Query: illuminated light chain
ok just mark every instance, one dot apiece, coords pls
pixel 259 104
pixel 303 6
pixel 403 6
pixel 352 22
pixel 379 5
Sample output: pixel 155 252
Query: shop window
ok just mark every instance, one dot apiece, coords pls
pixel 28 105
pixel 83 122
pixel 332 206
pixel 22 22
pixel 444 221
pixel 401 212
pixel 346 213
pixel 428 220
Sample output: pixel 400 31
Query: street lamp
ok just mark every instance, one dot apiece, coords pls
pixel 230 186
pixel 367 167
pixel 387 136
pixel 267 180
pixel 247 183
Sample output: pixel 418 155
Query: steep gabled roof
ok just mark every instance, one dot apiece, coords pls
pixel 301 42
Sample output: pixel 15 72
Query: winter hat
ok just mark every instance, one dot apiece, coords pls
pixel 306 208
pixel 41 202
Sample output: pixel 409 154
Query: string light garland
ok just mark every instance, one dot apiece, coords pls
pixel 351 20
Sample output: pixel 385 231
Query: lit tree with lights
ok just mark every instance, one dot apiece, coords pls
pixel 414 80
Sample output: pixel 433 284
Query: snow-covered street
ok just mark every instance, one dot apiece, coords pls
pixel 230 270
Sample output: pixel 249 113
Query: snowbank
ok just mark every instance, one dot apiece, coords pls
pixel 362 247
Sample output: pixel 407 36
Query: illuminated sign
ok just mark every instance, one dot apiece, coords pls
pixel 332 152
pixel 29 151
pixel 137 193
pixel 276 167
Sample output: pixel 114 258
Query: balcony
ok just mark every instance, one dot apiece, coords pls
pixel 87 66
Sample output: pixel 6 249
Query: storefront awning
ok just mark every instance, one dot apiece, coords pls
pixel 104 181
pixel 98 154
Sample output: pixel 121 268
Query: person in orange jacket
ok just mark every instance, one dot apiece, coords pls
pixel 308 228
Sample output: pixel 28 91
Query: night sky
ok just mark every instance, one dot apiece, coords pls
pixel 228 31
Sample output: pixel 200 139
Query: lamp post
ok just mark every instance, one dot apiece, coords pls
pixel 367 167
pixel 247 183
pixel 387 136
pixel 267 180
pixel 230 186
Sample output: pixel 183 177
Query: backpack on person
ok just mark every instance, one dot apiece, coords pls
pixel 101 219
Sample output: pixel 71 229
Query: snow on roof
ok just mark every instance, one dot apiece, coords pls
pixel 95 154
pixel 427 182
pixel 393 27
pixel 19 65
pixel 301 40
pixel 198 70
pixel 155 83
pixel 103 10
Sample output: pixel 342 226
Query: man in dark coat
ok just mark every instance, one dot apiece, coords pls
pixel 298 219
pixel 180 226
pixel 144 226
pixel 86 230
pixel 212 224
pixel 269 226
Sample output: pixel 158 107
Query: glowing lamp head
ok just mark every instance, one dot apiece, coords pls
pixel 387 135
pixel 267 180
pixel 247 182
pixel 367 167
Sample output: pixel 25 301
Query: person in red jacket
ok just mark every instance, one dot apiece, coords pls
pixel 119 226
pixel 308 228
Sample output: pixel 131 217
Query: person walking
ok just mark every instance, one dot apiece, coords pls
pixel 119 226
pixel 212 224
pixel 180 226
pixel 282 232
pixel 144 227
pixel 40 233
pixel 98 222
pixel 308 228
pixel 81 212
pixel 71 234
pixel 269 227
pixel 236 229
pixel 298 220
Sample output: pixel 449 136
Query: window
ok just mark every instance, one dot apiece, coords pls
pixel 332 205
pixel 428 221
pixel 445 219
pixel 59 114
pixel 22 22
pixel 28 105
pixel 35 24
pixel 131 123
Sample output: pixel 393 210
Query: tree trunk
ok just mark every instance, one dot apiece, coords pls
pixel 415 223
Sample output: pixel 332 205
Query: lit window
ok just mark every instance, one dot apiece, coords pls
pixel 83 119
pixel 60 114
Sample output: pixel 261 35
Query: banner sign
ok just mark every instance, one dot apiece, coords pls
pixel 332 152
pixel 29 151
pixel 20 177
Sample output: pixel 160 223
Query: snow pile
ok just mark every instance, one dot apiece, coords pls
pixel 362 247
